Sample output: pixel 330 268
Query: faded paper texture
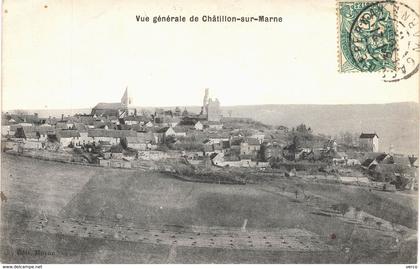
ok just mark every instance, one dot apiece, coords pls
pixel 209 132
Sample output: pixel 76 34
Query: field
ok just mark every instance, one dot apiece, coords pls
pixel 61 213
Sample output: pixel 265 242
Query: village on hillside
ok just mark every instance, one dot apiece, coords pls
pixel 212 147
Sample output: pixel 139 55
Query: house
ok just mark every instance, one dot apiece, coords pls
pixel 116 152
pixel 246 161
pixel 68 137
pixel 24 120
pixel 84 138
pixel 217 159
pixel 149 124
pixel 179 131
pixel 259 136
pixel 83 131
pixel 250 146
pixel 208 148
pixel 192 123
pixel 61 125
pixel 32 141
pixel 143 141
pixel 198 126
pixel 213 125
pixel 111 136
pixel 218 147
pixel 43 132
pixel 25 124
pixel 131 120
pixel 163 133
pixel 374 159
pixel 369 142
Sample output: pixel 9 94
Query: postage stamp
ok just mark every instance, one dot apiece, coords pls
pixel 367 36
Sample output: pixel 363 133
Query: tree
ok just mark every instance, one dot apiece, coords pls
pixel 302 128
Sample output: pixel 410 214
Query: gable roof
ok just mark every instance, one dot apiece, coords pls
pixel 368 135
pixel 40 129
pixel 111 133
pixel 67 133
pixel 180 129
pixel 140 139
pixel 113 106
pixel 163 130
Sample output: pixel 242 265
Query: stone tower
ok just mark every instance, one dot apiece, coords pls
pixel 205 101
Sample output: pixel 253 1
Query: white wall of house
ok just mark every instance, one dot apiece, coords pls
pixel 375 144
pixel 43 137
pixel 111 140
pixel 248 149
pixel 65 141
pixel 25 124
pixel 216 126
pixel 84 138
pixel 32 144
pixel 138 146
pixel 370 144
pixel 131 122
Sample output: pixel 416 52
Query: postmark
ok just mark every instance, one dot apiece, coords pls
pixel 407 23
pixel 367 36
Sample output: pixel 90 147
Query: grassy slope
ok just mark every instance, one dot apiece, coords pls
pixel 154 199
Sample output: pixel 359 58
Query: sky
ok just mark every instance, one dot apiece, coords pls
pixel 73 54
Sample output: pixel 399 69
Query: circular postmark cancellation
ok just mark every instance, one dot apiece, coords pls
pixel 379 36
pixel 372 38
pixel 408 35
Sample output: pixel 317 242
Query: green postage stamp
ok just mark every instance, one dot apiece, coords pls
pixel 367 36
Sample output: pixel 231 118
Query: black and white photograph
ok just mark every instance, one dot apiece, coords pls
pixel 209 132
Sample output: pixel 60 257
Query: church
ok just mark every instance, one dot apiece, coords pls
pixel 119 110
pixel 211 108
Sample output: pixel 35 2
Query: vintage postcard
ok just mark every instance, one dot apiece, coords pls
pixel 209 132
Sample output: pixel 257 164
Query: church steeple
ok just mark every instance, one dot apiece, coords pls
pixel 125 100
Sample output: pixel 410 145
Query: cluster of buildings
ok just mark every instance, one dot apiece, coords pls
pixel 117 128
pixel 118 131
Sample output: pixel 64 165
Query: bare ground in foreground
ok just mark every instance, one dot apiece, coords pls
pixel 61 213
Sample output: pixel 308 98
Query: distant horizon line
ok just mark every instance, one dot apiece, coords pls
pixel 289 104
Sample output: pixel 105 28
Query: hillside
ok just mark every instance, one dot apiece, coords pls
pixel 395 123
